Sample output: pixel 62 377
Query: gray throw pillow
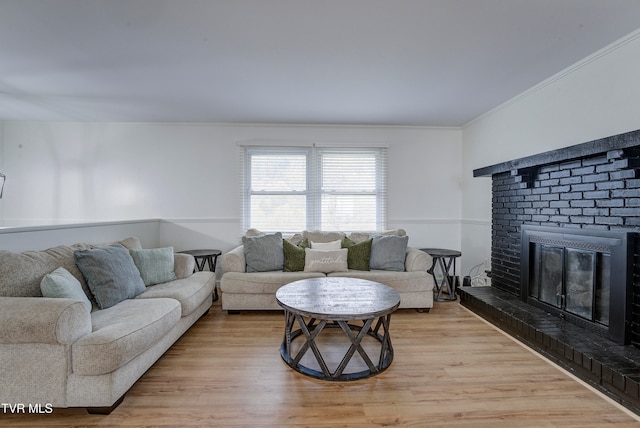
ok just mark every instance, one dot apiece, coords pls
pixel 61 284
pixel 388 252
pixel 263 253
pixel 155 265
pixel 111 274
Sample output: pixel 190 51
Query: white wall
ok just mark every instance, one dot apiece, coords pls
pixel 595 98
pixel 188 176
pixel 1 168
pixel 41 237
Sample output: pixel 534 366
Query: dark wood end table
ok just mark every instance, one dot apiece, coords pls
pixel 349 304
pixel 443 259
pixel 203 257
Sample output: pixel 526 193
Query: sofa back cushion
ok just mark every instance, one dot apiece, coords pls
pixel 320 236
pixel 21 273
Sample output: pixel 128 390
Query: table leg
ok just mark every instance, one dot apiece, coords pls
pixel 311 342
pixel 387 348
pixel 447 282
pixel 355 346
pixel 289 320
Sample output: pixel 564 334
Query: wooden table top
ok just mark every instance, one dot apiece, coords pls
pixel 338 299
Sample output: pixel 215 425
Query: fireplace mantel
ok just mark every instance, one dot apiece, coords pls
pixel 615 144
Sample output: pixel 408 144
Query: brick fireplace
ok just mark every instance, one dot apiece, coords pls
pixel 590 192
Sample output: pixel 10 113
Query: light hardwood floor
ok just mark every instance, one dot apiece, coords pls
pixel 450 369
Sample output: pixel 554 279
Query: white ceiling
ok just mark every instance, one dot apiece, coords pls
pixel 381 62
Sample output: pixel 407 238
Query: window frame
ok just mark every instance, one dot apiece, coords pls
pixel 314 175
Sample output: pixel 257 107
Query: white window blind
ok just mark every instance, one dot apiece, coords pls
pixel 290 189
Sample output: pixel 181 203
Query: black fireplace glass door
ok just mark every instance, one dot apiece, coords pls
pixel 580 279
pixel 603 289
pixel 549 279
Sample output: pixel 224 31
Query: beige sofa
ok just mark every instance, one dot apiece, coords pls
pixel 57 353
pixel 242 290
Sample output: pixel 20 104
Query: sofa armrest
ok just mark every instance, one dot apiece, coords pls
pixel 183 265
pixel 417 260
pixel 43 320
pixel 234 261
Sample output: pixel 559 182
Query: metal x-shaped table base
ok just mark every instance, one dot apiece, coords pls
pixel 312 329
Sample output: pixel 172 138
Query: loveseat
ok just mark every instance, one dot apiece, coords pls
pixel 88 346
pixel 251 284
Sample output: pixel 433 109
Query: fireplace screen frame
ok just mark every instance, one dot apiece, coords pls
pixel 617 245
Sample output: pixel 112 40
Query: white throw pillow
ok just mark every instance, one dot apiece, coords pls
pixel 333 245
pixel 325 261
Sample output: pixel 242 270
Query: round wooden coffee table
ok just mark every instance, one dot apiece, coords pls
pixel 348 305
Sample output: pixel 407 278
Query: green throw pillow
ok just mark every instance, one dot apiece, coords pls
pixel 359 253
pixel 155 265
pixel 293 257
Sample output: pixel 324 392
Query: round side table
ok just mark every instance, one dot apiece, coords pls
pixel 444 259
pixel 202 258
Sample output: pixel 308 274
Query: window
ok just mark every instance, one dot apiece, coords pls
pixel 295 188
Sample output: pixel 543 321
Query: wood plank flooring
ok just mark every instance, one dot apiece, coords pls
pixel 451 369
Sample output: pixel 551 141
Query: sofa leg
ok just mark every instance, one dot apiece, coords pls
pixel 423 310
pixel 105 410
pixel 230 312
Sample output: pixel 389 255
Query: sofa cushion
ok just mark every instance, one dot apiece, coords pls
pixel 325 260
pixel 190 292
pixel 263 253
pixel 121 333
pixel 363 236
pixel 320 236
pixel 37 320
pixel 332 245
pixel 21 273
pixel 359 254
pixel 261 282
pixel 402 282
pixel 293 257
pixel 130 243
pixel 61 284
pixel 111 274
pixel 388 252
pixel 155 264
